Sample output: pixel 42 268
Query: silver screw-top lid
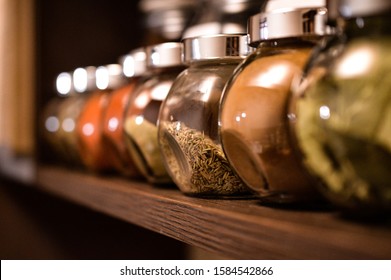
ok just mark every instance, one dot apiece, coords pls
pixel 295 23
pixel 84 79
pixel 134 64
pixel 64 85
pixel 220 46
pixel 109 76
pixel 357 8
pixel 164 55
pixel 284 19
pixel 253 29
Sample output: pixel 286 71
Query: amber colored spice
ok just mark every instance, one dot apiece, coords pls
pixel 89 128
pixel 113 132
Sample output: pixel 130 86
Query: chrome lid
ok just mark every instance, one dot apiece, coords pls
pixel 293 23
pixel 287 18
pixel 164 55
pixel 84 79
pixel 64 84
pixel 218 46
pixel 109 76
pixel 134 64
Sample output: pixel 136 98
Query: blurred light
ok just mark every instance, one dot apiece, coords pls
pixel 64 83
pixel 52 124
pixel 88 129
pixel 102 77
pixel 80 79
pixel 68 125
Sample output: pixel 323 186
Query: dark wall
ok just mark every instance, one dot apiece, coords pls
pixel 77 33
pixel 74 33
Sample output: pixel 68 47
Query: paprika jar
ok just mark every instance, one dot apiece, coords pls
pixel 164 63
pixel 188 119
pixel 253 120
pixel 341 111
pixel 134 67
pixel 89 127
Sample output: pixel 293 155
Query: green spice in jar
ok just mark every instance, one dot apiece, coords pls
pixel 164 63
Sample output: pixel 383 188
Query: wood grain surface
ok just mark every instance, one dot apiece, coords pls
pixel 238 229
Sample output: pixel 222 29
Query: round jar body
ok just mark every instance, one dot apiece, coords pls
pixel 254 126
pixel 50 128
pixel 140 125
pixel 341 117
pixel 188 132
pixel 113 130
pixel 68 115
pixel 89 130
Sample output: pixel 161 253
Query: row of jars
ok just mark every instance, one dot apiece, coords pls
pixel 294 111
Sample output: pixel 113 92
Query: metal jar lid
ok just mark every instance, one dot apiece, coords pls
pixel 357 8
pixel 64 83
pixel 164 55
pixel 284 19
pixel 220 46
pixel 134 64
pixel 294 23
pixel 84 79
pixel 109 76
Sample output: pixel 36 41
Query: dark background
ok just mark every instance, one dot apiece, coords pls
pixel 35 225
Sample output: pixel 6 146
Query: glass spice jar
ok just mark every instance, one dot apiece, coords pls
pixel 50 120
pixel 164 63
pixel 221 17
pixel 253 122
pixel 83 82
pixel 134 67
pixel 188 119
pixel 341 111
pixel 89 125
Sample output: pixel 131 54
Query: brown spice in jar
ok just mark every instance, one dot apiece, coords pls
pixel 255 130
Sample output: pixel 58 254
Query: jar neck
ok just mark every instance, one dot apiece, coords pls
pixel 372 26
pixel 217 61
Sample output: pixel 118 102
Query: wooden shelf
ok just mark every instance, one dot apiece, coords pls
pixel 239 229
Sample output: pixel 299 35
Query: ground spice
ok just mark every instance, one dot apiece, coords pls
pixel 254 128
pixel 89 130
pixel 113 131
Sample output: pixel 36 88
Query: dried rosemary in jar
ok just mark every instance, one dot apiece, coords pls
pixel 204 169
pixel 188 118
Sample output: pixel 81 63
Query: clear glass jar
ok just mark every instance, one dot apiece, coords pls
pixel 341 111
pixel 133 66
pixel 83 82
pixel 50 122
pixel 222 17
pixel 188 128
pixel 89 126
pixel 253 122
pixel 164 63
